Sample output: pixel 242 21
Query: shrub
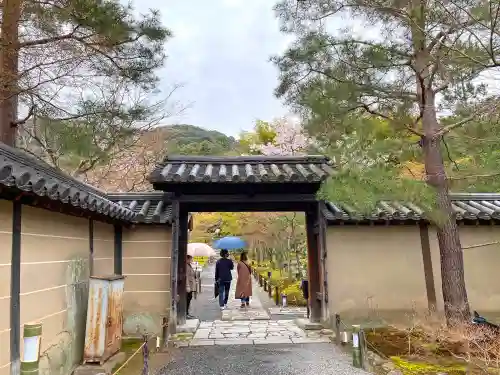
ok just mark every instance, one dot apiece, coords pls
pixel 294 295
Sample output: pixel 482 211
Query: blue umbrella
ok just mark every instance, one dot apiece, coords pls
pixel 230 243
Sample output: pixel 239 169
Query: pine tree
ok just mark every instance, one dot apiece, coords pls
pixel 373 94
pixel 56 56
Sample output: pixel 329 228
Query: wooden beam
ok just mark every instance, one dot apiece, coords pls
pixel 118 256
pixel 181 284
pixel 15 289
pixel 91 247
pixel 237 198
pixel 247 207
pixel 313 265
pixel 430 286
pixel 231 188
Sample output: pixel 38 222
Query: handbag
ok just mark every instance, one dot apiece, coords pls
pixel 216 289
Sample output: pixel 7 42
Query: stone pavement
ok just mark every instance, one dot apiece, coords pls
pixel 250 332
pixel 297 312
pixel 244 326
pixel 235 312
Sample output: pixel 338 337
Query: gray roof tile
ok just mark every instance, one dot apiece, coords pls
pixel 242 169
pixel 149 207
pixel 22 172
pixel 466 207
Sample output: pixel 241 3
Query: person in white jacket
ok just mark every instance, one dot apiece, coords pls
pixel 190 284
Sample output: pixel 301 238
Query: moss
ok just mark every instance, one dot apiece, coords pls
pixel 408 367
pixel 130 345
pixel 182 336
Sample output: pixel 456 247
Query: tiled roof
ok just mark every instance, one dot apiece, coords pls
pixel 23 172
pixel 466 206
pixel 242 169
pixel 149 207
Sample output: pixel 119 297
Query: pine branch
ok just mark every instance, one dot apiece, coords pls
pixel 476 176
pixel 458 124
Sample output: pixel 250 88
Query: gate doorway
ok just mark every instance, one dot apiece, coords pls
pixel 242 184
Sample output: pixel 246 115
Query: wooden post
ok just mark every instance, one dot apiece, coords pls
pixel 313 263
pixel 181 265
pixel 15 289
pixel 145 356
pixel 356 347
pixel 269 289
pixel 364 348
pixel 322 241
pixel 277 296
pixel 91 247
pixel 427 263
pixel 32 345
pixel 118 255
pixel 174 258
pixel 337 329
pixel 164 333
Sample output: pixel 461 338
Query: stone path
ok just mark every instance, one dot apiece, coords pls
pixel 298 312
pixel 244 337
pixel 235 312
pixel 244 326
pixel 250 332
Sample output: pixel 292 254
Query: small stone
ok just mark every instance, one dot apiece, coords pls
pixel 326 332
pixel 202 334
pixel 394 372
pixel 257 335
pixel 388 366
pixel 377 360
pixel 238 341
pixel 201 342
pixel 310 340
pixel 273 340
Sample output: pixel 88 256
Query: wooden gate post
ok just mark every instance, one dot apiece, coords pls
pixel 181 265
pixel 174 266
pixel 313 262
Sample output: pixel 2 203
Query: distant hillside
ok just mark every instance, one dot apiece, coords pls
pixel 128 171
pixel 124 166
pixel 186 139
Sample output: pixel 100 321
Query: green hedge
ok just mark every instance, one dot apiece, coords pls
pixel 285 285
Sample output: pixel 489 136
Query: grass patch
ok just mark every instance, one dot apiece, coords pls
pixel 418 351
pixel 129 346
pixel 409 367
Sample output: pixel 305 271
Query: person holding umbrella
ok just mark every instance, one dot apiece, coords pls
pixel 224 266
pixel 223 277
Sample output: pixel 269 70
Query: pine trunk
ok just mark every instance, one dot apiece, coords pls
pixel 9 60
pixel 456 303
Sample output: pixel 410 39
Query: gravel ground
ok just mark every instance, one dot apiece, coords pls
pixel 308 359
pixel 205 307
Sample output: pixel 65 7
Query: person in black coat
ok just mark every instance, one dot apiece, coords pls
pixel 223 277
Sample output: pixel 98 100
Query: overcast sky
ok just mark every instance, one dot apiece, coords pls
pixel 220 52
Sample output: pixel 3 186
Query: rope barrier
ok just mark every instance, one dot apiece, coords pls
pixel 360 342
pixel 129 359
